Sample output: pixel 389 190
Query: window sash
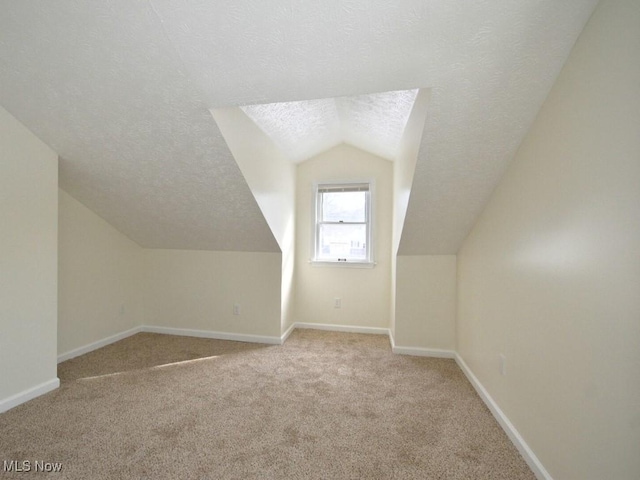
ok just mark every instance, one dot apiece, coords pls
pixel 319 222
pixel 353 187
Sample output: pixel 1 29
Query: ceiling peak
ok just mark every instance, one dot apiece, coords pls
pixel 372 122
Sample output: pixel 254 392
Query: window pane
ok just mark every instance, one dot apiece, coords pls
pixel 342 241
pixel 344 206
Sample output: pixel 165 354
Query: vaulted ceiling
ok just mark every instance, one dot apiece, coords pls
pixel 122 91
pixel 374 123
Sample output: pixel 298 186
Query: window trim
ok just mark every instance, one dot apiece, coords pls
pixel 369 262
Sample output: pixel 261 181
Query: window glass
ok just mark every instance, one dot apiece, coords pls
pixel 344 206
pixel 342 241
pixel 343 223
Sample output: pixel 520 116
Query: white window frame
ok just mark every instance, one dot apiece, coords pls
pixel 318 189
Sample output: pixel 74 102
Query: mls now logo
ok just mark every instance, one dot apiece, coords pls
pixel 28 466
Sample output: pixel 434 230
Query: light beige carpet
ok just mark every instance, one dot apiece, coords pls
pixel 324 405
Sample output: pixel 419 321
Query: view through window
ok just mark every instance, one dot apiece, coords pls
pixel 343 226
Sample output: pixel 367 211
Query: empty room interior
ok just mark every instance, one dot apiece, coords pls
pixel 336 239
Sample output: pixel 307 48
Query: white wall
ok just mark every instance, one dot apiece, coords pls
pixel 405 165
pixel 99 278
pixel 403 169
pixel 272 179
pixel 196 290
pixel 28 261
pixel 550 274
pixel 426 301
pixel 365 293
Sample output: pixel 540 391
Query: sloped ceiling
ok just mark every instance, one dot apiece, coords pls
pixel 122 91
pixel 303 129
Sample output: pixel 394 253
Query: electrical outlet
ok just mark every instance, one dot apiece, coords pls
pixel 337 303
pixel 236 309
pixel 503 364
pixel 122 309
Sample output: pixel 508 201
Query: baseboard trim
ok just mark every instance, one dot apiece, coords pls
pixel 29 394
pixel 286 334
pixel 515 437
pixel 419 351
pixel 237 337
pixel 342 328
pixel 241 337
pixel 98 344
pixel 513 434
pixel 422 352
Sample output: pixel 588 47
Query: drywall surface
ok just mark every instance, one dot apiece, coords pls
pixel 405 164
pixel 101 84
pixel 364 293
pixel 100 278
pixel 267 172
pixel 373 123
pixel 392 296
pixel 272 180
pixel 403 169
pixel 120 90
pixel 197 290
pixel 28 259
pixel 550 274
pixel 425 314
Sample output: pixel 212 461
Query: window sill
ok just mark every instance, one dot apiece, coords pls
pixel 351 264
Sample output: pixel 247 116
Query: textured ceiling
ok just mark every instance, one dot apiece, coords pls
pixel 303 129
pixel 121 90
pixel 100 83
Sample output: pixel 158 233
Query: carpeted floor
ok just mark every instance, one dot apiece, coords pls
pixel 324 405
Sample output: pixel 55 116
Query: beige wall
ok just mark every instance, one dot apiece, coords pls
pixel 28 259
pixel 426 301
pixel 365 293
pixel 99 279
pixel 108 284
pixel 550 274
pixel 272 179
pixel 193 289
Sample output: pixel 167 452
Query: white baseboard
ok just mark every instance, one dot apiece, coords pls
pixel 423 352
pixel 419 351
pixel 342 328
pixel 515 437
pixel 237 337
pixel 29 394
pixel 98 344
pixel 286 334
pixel 534 463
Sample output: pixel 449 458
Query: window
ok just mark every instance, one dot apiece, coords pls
pixel 343 223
